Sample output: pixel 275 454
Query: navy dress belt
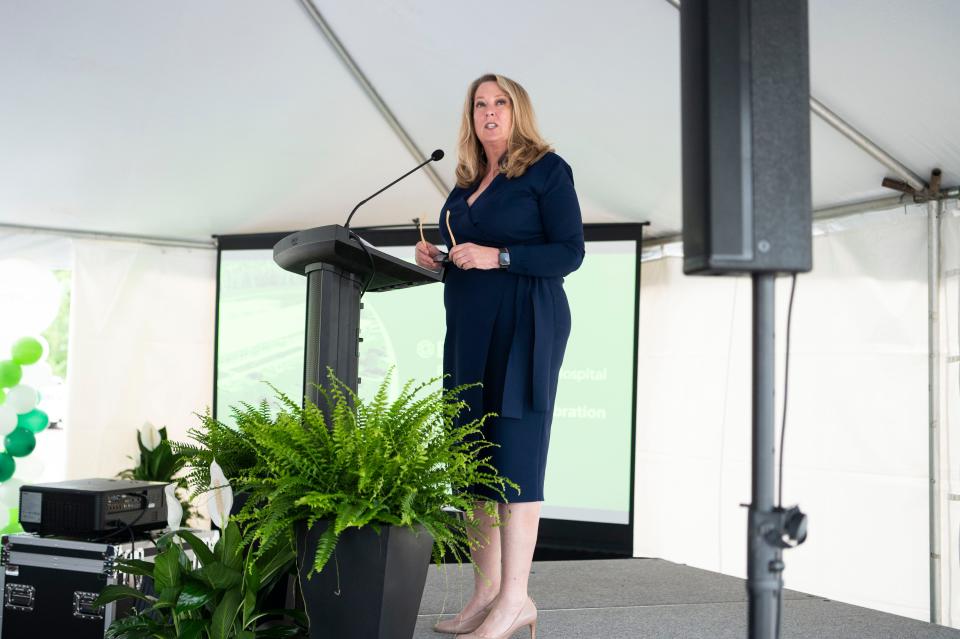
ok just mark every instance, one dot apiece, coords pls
pixel 533 298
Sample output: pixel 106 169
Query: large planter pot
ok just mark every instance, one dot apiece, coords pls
pixel 372 585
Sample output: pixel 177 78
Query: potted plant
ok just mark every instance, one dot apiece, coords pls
pixel 230 452
pixel 159 462
pixel 367 490
pixel 217 593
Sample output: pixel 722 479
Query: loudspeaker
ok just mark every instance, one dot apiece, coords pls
pixel 746 136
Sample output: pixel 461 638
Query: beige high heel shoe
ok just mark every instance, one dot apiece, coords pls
pixel 455 626
pixel 526 617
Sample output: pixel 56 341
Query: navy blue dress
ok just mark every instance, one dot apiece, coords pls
pixel 508 328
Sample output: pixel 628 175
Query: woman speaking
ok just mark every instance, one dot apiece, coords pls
pixel 513 229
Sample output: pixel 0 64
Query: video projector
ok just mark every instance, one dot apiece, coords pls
pixel 92 507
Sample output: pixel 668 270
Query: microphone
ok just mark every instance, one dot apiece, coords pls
pixel 434 157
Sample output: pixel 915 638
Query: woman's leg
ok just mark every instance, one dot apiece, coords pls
pixel 518 534
pixel 486 560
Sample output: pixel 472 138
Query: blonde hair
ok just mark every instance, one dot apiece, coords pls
pixel 524 144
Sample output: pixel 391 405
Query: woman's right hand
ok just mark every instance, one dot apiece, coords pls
pixel 424 255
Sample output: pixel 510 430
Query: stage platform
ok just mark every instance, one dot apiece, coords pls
pixel 656 599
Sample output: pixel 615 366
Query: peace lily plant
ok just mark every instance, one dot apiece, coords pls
pixel 158 461
pixel 217 594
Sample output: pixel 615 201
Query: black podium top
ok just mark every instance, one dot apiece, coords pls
pixel 333 245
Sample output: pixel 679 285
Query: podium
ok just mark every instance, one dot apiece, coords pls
pixel 336 265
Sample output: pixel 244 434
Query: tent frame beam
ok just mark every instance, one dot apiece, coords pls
pixel 354 69
pixel 866 144
pixel 155 240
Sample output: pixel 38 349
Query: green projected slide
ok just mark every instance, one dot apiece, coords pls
pixel 261 334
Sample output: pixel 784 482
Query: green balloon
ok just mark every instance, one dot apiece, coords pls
pixel 20 442
pixel 10 373
pixel 34 421
pixel 7 466
pixel 27 350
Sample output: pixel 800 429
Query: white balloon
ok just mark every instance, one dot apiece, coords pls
pixel 22 399
pixel 8 420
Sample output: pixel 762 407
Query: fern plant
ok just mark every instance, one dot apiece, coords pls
pixel 230 446
pixel 407 462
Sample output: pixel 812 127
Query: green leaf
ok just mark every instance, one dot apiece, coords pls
pixel 277 560
pixel 225 614
pixel 193 628
pixel 199 548
pixel 219 576
pixel 249 606
pixel 298 616
pixel 168 597
pixel 279 632
pixel 232 540
pixel 251 586
pixel 116 592
pixel 135 567
pixel 133 627
pixel 193 595
pixel 166 572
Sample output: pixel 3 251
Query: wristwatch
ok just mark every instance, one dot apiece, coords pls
pixel 504 258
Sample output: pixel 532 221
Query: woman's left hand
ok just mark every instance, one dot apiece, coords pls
pixel 468 255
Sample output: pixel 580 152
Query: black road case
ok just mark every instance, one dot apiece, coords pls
pixel 48 584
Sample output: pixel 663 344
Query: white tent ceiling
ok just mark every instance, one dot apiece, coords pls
pixel 218 117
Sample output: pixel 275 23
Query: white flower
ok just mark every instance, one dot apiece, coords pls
pixel 174 509
pixel 149 436
pixel 220 501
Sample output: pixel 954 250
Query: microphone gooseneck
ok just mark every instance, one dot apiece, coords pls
pixel 434 157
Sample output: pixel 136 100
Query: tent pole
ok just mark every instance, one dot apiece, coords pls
pixel 764 559
pixel 405 138
pixel 934 210
pixel 105 235
pixel 836 211
pixel 867 144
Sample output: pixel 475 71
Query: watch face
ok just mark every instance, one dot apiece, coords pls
pixel 504 258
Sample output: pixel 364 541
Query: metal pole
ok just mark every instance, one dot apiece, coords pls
pixel 764 563
pixel 862 206
pixel 373 94
pixel 934 209
pixel 833 211
pixel 866 144
pixel 104 235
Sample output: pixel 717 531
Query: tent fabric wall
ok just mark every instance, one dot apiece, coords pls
pixel 856 450
pixel 141 348
pixel 950 413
